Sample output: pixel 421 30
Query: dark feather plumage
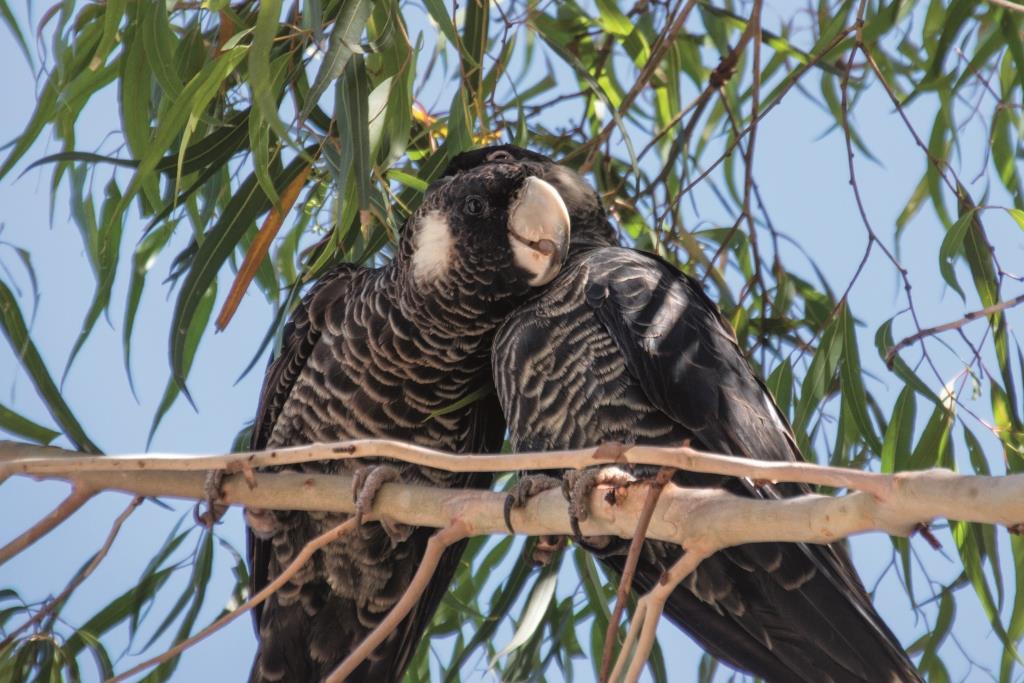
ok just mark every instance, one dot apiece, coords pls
pixel 622 346
pixel 376 353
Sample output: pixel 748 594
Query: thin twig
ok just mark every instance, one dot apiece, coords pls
pixel 79 495
pixel 795 76
pixel 457 530
pixel 272 587
pixel 955 325
pixel 748 160
pixel 661 45
pixel 1013 6
pixel 632 558
pixel 68 463
pixel 76 581
pixel 681 457
pixel 644 625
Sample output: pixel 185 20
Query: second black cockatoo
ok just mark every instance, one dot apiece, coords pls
pixel 379 353
pixel 624 347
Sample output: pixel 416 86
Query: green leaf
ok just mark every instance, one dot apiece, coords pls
pixel 13 423
pixel 1018 216
pixel 52 91
pixel 353 120
pixel 142 260
pixel 439 13
pixel 195 594
pixel 14 329
pixel 851 373
pixel 1010 28
pixel 248 202
pixel 112 13
pixel 899 433
pixel 408 180
pixel 951 245
pixel 818 382
pixel 469 399
pixel 958 13
pixel 1015 630
pixel 160 45
pixel 612 20
pixel 780 384
pixel 12 24
pixel 108 249
pixel 501 602
pixel 537 604
pixel 193 334
pixel 933 448
pixel 194 98
pixel 884 342
pixel 119 609
pixel 212 150
pixel 342 44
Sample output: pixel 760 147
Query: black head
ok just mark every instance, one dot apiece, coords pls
pixel 590 226
pixel 496 225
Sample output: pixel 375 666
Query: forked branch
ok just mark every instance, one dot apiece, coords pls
pixel 268 590
pixel 701 521
pixel 438 543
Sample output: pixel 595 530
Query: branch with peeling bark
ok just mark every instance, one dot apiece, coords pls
pixel 701 521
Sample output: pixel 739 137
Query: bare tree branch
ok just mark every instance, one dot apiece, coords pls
pixel 438 543
pixel 268 590
pixel 78 497
pixel 954 325
pixel 648 611
pixel 76 581
pixel 893 503
pixel 701 521
pixel 629 569
pixel 16 458
pixel 1013 6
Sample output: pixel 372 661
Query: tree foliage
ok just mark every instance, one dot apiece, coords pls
pixel 259 143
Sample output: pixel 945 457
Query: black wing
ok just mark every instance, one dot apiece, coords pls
pixel 755 605
pixel 487 436
pixel 299 338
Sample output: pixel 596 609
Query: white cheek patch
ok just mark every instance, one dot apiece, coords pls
pixel 433 246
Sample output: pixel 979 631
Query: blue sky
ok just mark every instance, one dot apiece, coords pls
pixel 801 168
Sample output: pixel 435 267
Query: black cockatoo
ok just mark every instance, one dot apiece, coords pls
pixel 623 347
pixel 377 353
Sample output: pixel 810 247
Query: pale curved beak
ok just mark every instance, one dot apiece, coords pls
pixel 539 231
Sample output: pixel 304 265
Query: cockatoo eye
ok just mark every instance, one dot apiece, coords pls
pixel 499 155
pixel 474 205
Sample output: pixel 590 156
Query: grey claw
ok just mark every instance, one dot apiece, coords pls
pixel 367 482
pixel 527 487
pixel 507 512
pixel 212 491
pixel 580 484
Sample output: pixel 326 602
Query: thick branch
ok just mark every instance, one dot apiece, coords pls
pixel 701 521
pixel 711 518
